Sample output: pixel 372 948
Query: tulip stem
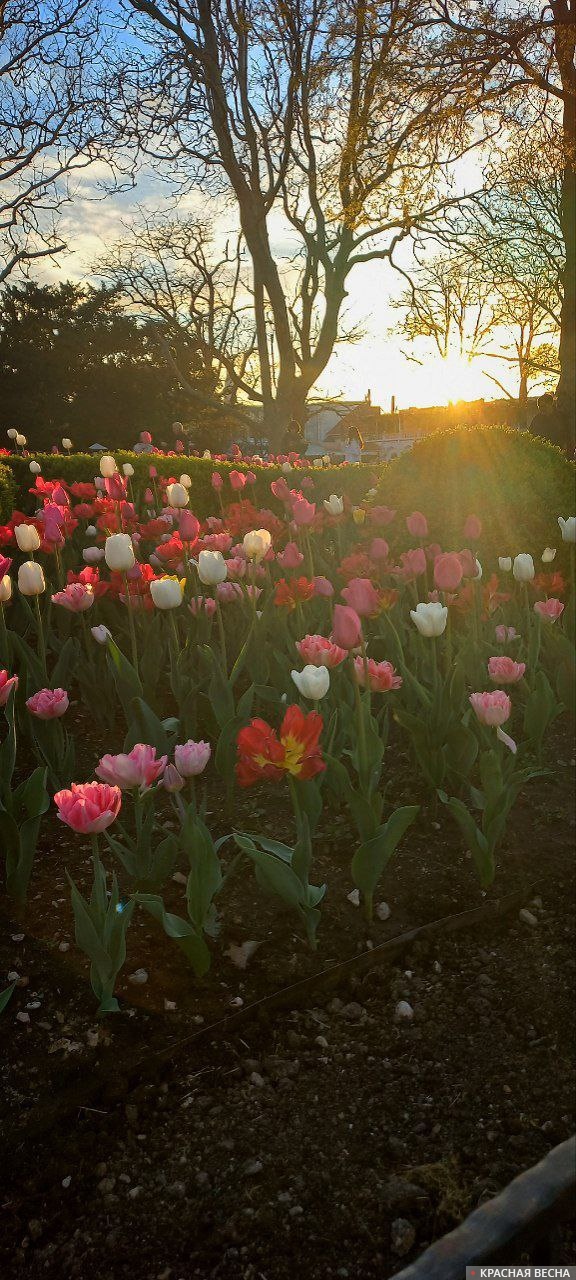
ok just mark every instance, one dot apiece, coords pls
pixel 6 646
pixel 361 725
pixel 131 626
pixel 41 638
pixel 222 635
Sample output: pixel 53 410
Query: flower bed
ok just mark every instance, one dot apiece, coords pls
pixel 254 709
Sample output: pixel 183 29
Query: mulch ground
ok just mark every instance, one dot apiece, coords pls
pixel 335 1139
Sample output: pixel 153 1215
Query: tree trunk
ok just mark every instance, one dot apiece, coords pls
pixel 565 43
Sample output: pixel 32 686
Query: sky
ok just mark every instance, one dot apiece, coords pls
pixel 378 362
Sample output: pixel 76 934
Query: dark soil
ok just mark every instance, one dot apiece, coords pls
pixel 333 1139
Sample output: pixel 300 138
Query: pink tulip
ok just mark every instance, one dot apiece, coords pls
pixel 88 807
pixel 145 437
pixel 361 596
pixel 417 525
pixel 378 549
pixel 152 472
pixel 236 565
pixel 172 780
pixel 250 477
pixel 381 515
pixel 237 480
pixel 381 675
pixel 217 542
pixel 504 670
pixel 139 768
pixel 217 480
pixel 229 592
pixel 291 557
pixel 148 496
pixel 191 758
pixel 473 527
pixel 346 627
pixel 115 486
pixel 413 562
pixel 7 683
pixel 468 562
pixel 77 597
pixel 448 571
pixel 323 587
pixel 188 526
pixel 5 563
pixel 280 489
pixel 504 634
pixel 202 604
pixel 550 609
pixel 303 512
pixel 48 704
pixel 317 651
pixel 492 708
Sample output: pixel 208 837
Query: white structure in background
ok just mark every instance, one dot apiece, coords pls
pixel 329 422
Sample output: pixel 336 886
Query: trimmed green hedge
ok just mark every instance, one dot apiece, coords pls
pixel 353 481
pixel 7 493
pixel 516 483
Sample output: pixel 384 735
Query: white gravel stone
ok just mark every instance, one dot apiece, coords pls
pixel 138 978
pixel 383 911
pixel 404 1011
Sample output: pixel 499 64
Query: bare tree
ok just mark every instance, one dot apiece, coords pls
pixel 333 127
pixel 528 55
pixel 52 94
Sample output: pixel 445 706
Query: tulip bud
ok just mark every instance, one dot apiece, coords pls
pixel 93 555
pixel 12 433
pixel 191 758
pixel 31 579
pixel 347 627
pixel 101 634
pixel 257 544
pixel 334 505
pixel 35 468
pixel 172 780
pixel 211 568
pixel 430 619
pixel 186 480
pixel 548 555
pixel 66 443
pixel 27 537
pixel 91 531
pixel 166 593
pixel 5 589
pixel 505 563
pixel 568 528
pixel 128 470
pixel 107 465
pixel 20 440
pixel 523 567
pixel 177 495
pixel 313 682
pixel 119 552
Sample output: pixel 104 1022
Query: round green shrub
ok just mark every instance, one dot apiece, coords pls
pixel 516 483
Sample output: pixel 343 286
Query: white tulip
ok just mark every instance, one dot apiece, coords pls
pixel 31 579
pixel 27 537
pixel 91 531
pixel 212 568
pixel 35 468
pixel 66 443
pixel 312 682
pixel 568 528
pixel 548 555
pixel 119 552
pixel 206 454
pixel 287 468
pixel 318 462
pixel 326 459
pixel 12 433
pixel 177 495
pixel 99 483
pixel 93 555
pixel 505 563
pixel 186 480
pixel 5 589
pixel 166 593
pixel 523 567
pixel 334 505
pixel 101 634
pixel 20 440
pixel 128 470
pixel 430 619
pixel 257 544
pixel 108 465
